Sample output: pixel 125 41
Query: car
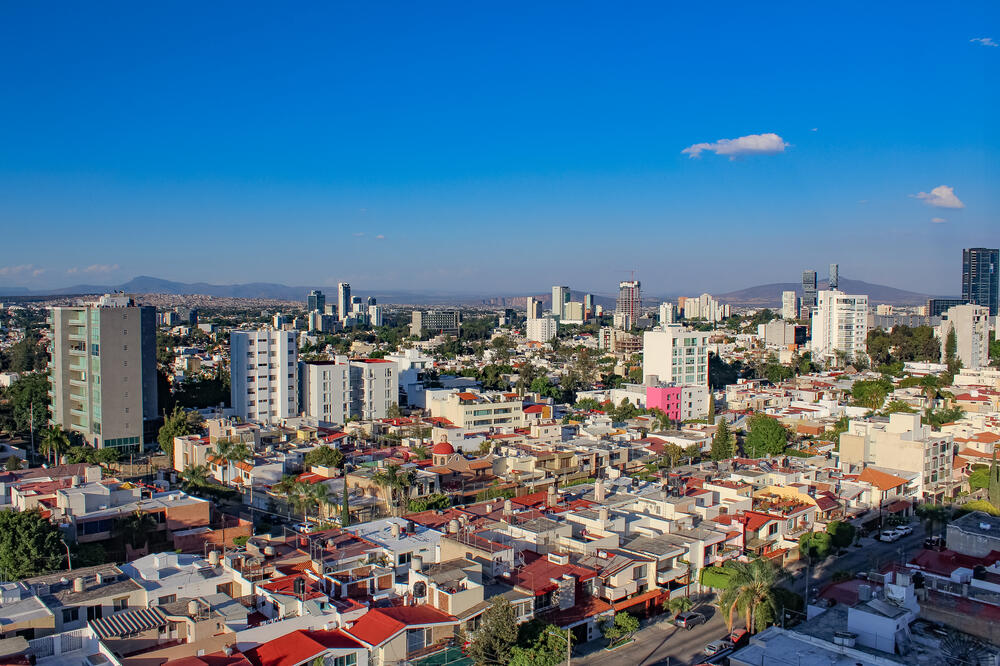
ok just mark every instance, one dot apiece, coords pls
pixel 739 637
pixel 934 543
pixel 718 647
pixel 905 529
pixel 689 620
pixel 889 536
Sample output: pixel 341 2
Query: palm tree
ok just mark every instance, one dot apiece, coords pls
pixel 751 593
pixel 678 605
pixel 54 443
pixel 136 526
pixel 395 483
pixel 195 476
pixel 318 495
pixel 229 452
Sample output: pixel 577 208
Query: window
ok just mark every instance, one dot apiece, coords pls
pixel 95 612
pixel 169 599
pixel 404 558
pixel 121 604
pixel 70 615
pixel 345 660
pixel 417 639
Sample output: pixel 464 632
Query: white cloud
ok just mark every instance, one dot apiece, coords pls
pixel 358 234
pixel 938 220
pixel 380 237
pixel 941 196
pixel 984 41
pixel 752 144
pixel 814 129
pixel 100 268
pixel 19 270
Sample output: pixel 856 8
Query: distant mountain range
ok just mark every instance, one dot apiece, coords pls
pixel 762 295
pixel 770 294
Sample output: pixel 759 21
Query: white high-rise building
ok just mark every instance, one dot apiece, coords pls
pixel 839 324
pixel 560 297
pixel 675 354
pixel 629 304
pixel 375 315
pixel 789 305
pixel 972 333
pixel 542 329
pixel 334 391
pixel 264 375
pixel 343 300
pixel 668 313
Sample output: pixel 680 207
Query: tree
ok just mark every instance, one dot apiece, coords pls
pixel 692 451
pixel 752 593
pixel 815 545
pixel 13 463
pixel 711 407
pixel 393 412
pixel 325 456
pixel 228 452
pixel 678 605
pixel 722 442
pixel 29 402
pixel 30 545
pixel 395 483
pixel 194 476
pixel 496 635
pixel 135 527
pixel 177 423
pixel 54 443
pixel 345 507
pixel 934 516
pixel 540 644
pixel 841 534
pixel 672 453
pixel 871 394
pixel 951 352
pixel 767 437
pixel 621 628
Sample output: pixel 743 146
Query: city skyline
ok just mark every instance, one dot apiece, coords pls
pixel 142 141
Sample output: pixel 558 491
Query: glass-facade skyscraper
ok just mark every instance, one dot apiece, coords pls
pixel 808 289
pixel 979 276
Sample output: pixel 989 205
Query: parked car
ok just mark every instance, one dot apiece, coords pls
pixel 905 529
pixel 718 647
pixel 889 536
pixel 739 637
pixel 689 620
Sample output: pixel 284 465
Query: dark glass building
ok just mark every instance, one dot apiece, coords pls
pixel 979 276
pixel 808 289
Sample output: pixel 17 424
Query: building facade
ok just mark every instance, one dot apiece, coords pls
pixel 629 304
pixel 839 324
pixel 316 301
pixel 103 371
pixel 560 296
pixel 542 329
pixel 264 375
pixel 809 290
pixel 434 322
pixel 971 324
pixel 674 354
pixel 789 305
pixel 343 300
pixel 980 272
pixel 335 391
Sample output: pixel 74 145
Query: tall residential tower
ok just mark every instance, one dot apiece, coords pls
pixel 979 277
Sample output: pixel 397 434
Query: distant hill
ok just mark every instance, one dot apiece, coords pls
pixel 770 294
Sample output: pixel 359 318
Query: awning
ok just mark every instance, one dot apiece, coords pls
pixel 898 505
pixel 638 599
pixel 129 622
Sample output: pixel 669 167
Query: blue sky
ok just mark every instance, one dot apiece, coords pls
pixel 497 147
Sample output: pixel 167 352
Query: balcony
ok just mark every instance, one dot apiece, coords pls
pixel 78 336
pixel 77 351
pixel 664 577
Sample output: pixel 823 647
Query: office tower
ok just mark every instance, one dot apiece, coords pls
pixel 789 305
pixel 980 273
pixel 808 289
pixel 542 329
pixel 316 301
pixel 834 277
pixel 103 371
pixel 628 306
pixel 839 324
pixel 188 316
pixel 673 353
pixel 667 313
pixel 343 300
pixel 371 300
pixel 938 306
pixel 263 370
pixel 560 296
pixel 335 391
pixel 971 324
pixel 534 308
pixel 573 312
pixel 434 322
pixel 588 306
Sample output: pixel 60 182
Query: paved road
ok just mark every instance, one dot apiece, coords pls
pixel 657 640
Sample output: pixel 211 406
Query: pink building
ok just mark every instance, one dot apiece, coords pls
pixel 666 398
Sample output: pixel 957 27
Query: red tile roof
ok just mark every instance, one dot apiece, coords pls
pixel 215 659
pixel 537 573
pixel 380 624
pixel 299 646
pixel 880 480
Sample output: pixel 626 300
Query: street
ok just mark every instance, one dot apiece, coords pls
pixel 659 640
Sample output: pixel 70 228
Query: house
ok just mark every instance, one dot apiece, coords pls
pixel 400 633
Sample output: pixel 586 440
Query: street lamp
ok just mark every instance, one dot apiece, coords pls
pixel 69 558
pixel 569 644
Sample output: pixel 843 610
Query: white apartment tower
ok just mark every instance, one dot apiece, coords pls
pixel 534 308
pixel 542 329
pixel 971 324
pixel 343 300
pixel 839 324
pixel 675 354
pixel 264 375
pixel 560 297
pixel 789 305
pixel 668 313
pixel 629 304
pixel 334 391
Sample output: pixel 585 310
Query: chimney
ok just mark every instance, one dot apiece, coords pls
pixel 79 585
pixel 508 508
pixel 599 491
pixel 603 514
pixel 395 530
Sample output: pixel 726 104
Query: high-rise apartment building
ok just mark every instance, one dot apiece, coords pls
pixel 808 289
pixel 588 306
pixel 834 277
pixel 668 313
pixel 334 391
pixel 789 305
pixel 316 301
pixel 629 304
pixel 971 324
pixel 534 308
pixel 263 368
pixel 542 329
pixel 675 354
pixel 839 324
pixel 103 371
pixel 560 297
pixel 980 272
pixel 374 314
pixel 343 300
